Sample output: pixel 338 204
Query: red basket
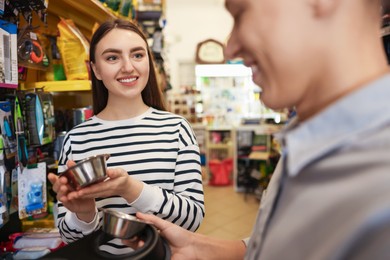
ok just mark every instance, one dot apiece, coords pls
pixel 220 172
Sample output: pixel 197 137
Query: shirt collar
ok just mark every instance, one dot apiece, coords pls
pixel 344 121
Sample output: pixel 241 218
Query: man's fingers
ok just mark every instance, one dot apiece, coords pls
pixel 134 242
pixel 152 219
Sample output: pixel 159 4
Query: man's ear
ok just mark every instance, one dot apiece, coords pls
pixel 95 71
pixel 323 8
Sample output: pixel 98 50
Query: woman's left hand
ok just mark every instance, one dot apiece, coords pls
pixel 118 183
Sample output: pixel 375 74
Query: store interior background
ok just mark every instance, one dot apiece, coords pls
pixel 208 19
pixel 231 208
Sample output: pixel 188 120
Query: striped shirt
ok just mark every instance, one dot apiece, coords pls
pixel 158 148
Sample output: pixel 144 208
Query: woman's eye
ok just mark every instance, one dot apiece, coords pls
pixel 111 58
pixel 138 55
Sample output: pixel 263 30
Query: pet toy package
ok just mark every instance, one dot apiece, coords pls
pixel 32 190
pixel 30 51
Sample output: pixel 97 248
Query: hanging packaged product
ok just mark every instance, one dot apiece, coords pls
pixel 22 154
pixel 74 49
pixel 8 53
pixel 30 51
pixel 4 214
pixel 32 190
pixel 126 8
pixel 40 118
pixel 113 4
pixel 56 70
pixel 7 129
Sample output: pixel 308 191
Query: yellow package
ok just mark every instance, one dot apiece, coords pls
pixel 74 49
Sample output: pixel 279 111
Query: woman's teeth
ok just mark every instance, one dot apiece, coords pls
pixel 127 80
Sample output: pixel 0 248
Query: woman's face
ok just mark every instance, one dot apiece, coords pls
pixel 122 63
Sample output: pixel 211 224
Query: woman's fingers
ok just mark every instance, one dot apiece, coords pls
pixel 70 163
pixel 116 173
pixel 54 181
pixel 52 178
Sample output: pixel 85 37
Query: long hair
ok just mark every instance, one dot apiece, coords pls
pixel 151 95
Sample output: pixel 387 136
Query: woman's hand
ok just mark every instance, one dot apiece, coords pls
pixel 118 183
pixel 83 207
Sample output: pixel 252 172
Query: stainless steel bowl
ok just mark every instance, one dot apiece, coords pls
pixel 86 172
pixel 121 225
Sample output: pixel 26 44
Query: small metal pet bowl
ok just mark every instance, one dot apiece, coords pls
pixel 86 172
pixel 121 225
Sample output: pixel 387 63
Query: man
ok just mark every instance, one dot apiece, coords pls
pixel 329 197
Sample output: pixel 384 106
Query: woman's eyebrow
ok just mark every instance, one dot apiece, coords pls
pixel 140 48
pixel 112 50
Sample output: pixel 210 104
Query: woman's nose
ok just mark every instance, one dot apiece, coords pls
pixel 127 65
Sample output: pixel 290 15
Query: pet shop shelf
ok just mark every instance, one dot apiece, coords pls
pixel 84 13
pixel 5 85
pixel 59 86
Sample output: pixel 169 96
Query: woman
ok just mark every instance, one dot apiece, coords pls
pixel 154 164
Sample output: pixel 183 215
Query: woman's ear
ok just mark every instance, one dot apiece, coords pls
pixel 322 8
pixel 95 71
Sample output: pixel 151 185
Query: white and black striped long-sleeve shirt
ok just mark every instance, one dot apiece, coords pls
pixel 158 148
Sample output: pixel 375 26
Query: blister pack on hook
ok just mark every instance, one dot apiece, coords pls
pixel 30 51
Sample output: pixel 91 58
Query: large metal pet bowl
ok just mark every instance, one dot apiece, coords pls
pixel 86 172
pixel 121 225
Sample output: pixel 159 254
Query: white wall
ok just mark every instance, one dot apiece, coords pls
pixel 188 23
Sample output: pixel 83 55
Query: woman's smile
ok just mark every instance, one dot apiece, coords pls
pixel 128 81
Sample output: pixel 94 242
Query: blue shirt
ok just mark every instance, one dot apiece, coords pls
pixel 331 163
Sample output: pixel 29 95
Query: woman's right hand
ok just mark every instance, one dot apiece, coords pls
pixel 84 208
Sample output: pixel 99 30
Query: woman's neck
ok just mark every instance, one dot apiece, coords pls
pixel 123 110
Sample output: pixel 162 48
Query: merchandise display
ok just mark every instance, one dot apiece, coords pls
pixel 229 95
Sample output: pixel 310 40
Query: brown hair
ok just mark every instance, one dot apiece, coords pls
pixel 151 95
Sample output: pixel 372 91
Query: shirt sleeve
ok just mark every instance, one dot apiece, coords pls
pixel 184 205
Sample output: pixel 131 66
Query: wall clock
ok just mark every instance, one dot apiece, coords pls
pixel 210 51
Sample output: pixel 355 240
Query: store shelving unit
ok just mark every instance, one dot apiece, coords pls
pixel 84 13
pixel 229 98
pixel 58 86
pixel 220 154
pixel 10 86
pixel 228 93
pixel 253 154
